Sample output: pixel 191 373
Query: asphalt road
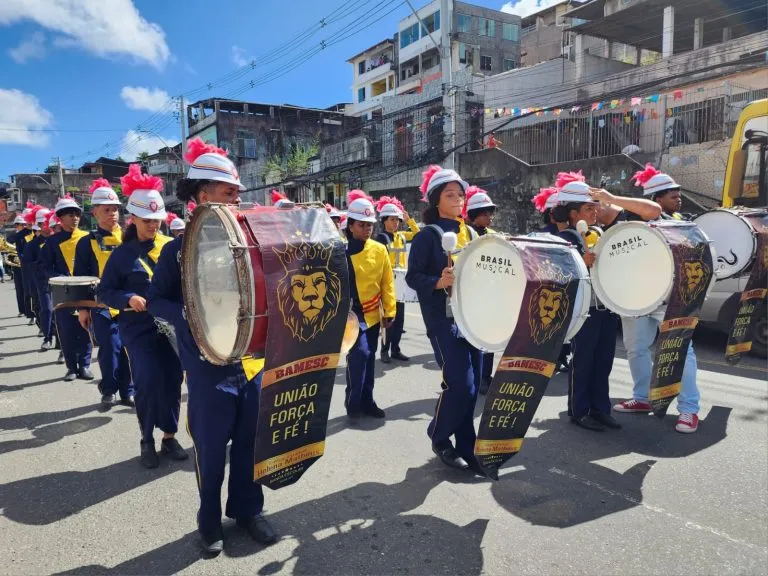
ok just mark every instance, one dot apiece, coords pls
pixel 643 500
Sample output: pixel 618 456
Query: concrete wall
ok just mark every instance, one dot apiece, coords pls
pixel 699 167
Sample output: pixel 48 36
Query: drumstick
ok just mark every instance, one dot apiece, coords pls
pixel 449 242
pixel 582 228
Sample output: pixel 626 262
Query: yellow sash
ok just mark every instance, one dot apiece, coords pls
pixel 68 249
pixel 29 237
pixel 252 366
pixel 154 254
pixel 103 255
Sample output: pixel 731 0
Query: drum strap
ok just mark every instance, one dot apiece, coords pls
pixel 149 265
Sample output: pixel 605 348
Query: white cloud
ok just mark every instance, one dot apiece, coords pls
pixel 32 47
pixel 525 8
pixel 240 57
pixel 134 143
pixel 20 112
pixel 139 98
pixel 103 27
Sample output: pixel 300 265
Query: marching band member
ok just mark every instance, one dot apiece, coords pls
pixel 154 365
pixel 430 273
pixel 50 333
pixel 594 346
pixel 58 259
pixel 32 255
pixel 479 211
pixel 334 214
pixel 18 276
pixel 639 334
pixel 544 202
pixel 91 256
pixel 278 199
pixel 223 400
pixel 175 224
pixel 372 286
pixel 391 215
pixel 21 245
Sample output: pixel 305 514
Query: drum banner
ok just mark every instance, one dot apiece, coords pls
pixel 693 267
pixel 307 282
pixel 530 358
pixel 752 303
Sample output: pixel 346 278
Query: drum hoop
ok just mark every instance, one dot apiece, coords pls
pixel 744 218
pixel 73 281
pixel 244 273
pixel 597 286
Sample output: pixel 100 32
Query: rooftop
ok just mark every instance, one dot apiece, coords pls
pixel 383 44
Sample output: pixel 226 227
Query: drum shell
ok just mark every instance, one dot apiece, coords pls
pixel 78 295
pixel 735 241
pixel 258 341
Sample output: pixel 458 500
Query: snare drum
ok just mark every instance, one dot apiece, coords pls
pixel 74 292
pixel 733 234
pixel 489 288
pixel 403 292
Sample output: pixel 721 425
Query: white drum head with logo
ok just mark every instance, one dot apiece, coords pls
pixel 634 269
pixel 488 292
pixel 733 240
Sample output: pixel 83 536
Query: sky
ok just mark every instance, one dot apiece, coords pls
pixel 81 79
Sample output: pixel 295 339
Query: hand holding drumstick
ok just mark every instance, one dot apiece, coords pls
pixel 588 256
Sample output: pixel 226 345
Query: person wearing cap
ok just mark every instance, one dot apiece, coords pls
pixel 430 274
pixel 49 227
pixel 15 238
pixel 279 199
pixel 223 401
pixel 639 334
pixel 391 216
pixel 22 239
pixel 544 202
pixel 337 217
pixel 372 284
pixel 57 258
pixel 32 256
pixel 594 346
pixel 125 278
pixel 91 256
pixel 175 224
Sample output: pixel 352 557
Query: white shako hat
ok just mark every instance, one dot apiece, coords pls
pixel 333 212
pixel 654 181
pixel 144 194
pixel 41 217
pixel 103 194
pixel 360 207
pixel 279 199
pixel 478 198
pixel 209 162
pixel 436 176
pixel 19 220
pixel 177 224
pixel 571 187
pixel 66 202
pixel 344 221
pixel 390 206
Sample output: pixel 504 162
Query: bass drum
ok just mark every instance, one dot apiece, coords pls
pixel 489 289
pixel 733 235
pixel 403 292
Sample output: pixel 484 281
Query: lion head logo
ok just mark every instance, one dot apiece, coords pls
pixel 549 304
pixel 695 276
pixel 308 294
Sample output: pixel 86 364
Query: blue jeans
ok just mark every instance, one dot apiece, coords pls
pixel 639 335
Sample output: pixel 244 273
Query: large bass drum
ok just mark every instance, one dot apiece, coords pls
pixel 733 234
pixel 488 291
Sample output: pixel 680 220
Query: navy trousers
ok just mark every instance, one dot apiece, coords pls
pixel 75 342
pixel 46 314
pixel 361 362
pixel 157 376
pixel 461 366
pixel 395 331
pixel 487 364
pixel 29 288
pixel 215 417
pixel 18 282
pixel 593 350
pixel 113 361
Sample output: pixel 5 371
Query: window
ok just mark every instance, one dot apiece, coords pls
pixel 463 23
pixel 510 31
pixel 409 35
pixel 509 64
pixel 486 63
pixel 487 27
pixel 361 67
pixel 431 23
pixel 361 94
pixel 465 54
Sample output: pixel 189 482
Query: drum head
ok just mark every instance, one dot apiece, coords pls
pixel 634 270
pixel 74 280
pixel 733 240
pixel 583 298
pixel 213 279
pixel 488 292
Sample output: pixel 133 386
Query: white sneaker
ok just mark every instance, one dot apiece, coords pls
pixel 687 423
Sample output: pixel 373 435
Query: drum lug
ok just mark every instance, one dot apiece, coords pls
pixel 237 250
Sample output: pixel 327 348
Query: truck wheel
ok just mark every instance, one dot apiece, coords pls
pixel 760 341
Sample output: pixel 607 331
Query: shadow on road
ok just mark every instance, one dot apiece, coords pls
pixel 32 421
pixel 54 433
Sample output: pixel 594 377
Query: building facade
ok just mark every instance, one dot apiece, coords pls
pixel 374 73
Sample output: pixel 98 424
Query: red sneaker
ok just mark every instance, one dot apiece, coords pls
pixel 687 423
pixel 633 406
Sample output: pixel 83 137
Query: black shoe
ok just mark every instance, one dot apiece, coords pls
pixel 60 359
pixel 108 400
pixel 485 385
pixel 85 374
pixel 259 529
pixel 474 467
pixel 211 546
pixel 606 420
pixel 40 334
pixel 588 422
pixel 70 376
pixel 450 457
pixel 385 357
pixel 130 402
pixel 149 457
pixel 170 447
pixel 45 346
pixel 400 356
pixel 31 321
pixel 20 315
pixel 374 412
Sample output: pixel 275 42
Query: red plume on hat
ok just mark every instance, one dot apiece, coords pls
pixel 135 180
pixel 564 178
pixel 191 206
pixel 471 191
pixel 29 218
pixel 100 183
pixel 29 205
pixel 642 176
pixel 277 196
pixel 426 177
pixel 196 148
pixel 170 217
pixel 384 200
pixel 540 200
pixel 353 195
pixel 328 208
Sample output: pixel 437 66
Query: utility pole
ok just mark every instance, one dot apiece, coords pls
pixel 446 60
pixel 183 118
pixel 61 178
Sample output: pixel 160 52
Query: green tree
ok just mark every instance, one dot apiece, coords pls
pixel 142 156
